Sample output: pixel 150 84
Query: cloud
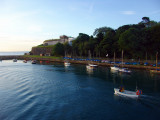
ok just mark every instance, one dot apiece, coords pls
pixel 128 12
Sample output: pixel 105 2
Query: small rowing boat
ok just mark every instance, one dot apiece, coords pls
pixel 128 93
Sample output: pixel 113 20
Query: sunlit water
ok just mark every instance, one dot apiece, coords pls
pixel 54 92
pixel 13 53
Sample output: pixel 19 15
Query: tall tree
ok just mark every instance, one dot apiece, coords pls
pixel 102 30
pixel 58 49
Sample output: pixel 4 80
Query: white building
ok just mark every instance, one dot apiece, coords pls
pixel 70 39
pixel 51 42
pixel 62 40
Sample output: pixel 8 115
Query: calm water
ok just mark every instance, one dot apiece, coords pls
pixel 53 92
pixel 13 53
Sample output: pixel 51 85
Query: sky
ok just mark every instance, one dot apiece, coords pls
pixel 27 23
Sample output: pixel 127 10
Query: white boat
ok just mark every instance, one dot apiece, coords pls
pixel 126 93
pixel 14 60
pixel 25 61
pixel 124 70
pixel 115 68
pixel 67 63
pixel 91 66
pixel 33 62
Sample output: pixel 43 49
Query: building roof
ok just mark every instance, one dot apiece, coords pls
pixel 50 40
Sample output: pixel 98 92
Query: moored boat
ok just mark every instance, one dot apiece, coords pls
pixel 33 62
pixel 115 68
pixel 14 60
pixel 91 66
pixel 25 61
pixel 124 70
pixel 67 63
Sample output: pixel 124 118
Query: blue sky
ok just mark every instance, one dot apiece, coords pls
pixel 27 23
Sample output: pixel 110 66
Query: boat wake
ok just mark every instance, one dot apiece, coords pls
pixel 149 101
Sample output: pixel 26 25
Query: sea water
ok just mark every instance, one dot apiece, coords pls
pixel 51 91
pixel 13 53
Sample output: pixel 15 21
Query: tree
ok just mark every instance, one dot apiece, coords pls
pixel 146 19
pixel 99 37
pixel 67 48
pixel 78 44
pixel 58 49
pixel 155 37
pixel 102 30
pixel 129 41
pixel 107 45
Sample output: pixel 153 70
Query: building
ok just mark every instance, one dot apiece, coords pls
pixel 63 39
pixel 70 39
pixel 51 42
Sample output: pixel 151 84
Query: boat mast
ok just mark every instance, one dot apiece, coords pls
pixel 114 58
pixel 156 60
pixel 122 58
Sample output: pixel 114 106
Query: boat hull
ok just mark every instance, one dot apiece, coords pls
pixel 115 68
pixel 126 93
pixel 67 64
pixel 124 70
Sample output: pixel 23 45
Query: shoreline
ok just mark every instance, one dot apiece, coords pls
pixel 61 60
pixel 87 62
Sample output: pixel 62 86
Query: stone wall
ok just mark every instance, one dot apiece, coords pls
pixel 41 50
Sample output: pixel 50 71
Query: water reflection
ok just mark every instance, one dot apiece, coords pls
pixel 89 71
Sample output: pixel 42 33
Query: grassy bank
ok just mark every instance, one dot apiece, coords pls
pixel 37 56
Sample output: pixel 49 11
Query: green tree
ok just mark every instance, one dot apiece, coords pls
pixel 129 41
pixel 67 48
pixel 107 45
pixel 102 30
pixel 58 49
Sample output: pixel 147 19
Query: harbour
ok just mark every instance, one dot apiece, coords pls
pixel 53 91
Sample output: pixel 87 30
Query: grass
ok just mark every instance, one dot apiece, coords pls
pixel 41 46
pixel 37 56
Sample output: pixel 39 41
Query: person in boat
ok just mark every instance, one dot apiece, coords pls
pixel 121 89
pixel 138 92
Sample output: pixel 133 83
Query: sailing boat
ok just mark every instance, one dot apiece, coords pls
pixel 66 63
pixel 115 68
pixel 157 71
pixel 124 69
pixel 90 66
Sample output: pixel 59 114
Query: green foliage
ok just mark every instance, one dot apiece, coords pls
pixel 58 49
pixel 102 30
pixel 136 40
pixel 67 48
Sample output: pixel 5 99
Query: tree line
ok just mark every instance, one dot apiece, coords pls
pixel 138 41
